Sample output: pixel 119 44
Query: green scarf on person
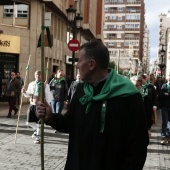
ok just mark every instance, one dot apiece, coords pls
pixel 59 80
pixel 114 86
pixel 144 88
pixel 37 87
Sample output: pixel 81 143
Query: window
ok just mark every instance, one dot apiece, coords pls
pixel 112 26
pixel 16 13
pixel 119 35
pixel 105 27
pixel 137 26
pixel 113 0
pixel 120 1
pixel 119 27
pixel 133 17
pixel 119 18
pixel 118 44
pixel 133 43
pixel 119 9
pixel 106 9
pixel 112 17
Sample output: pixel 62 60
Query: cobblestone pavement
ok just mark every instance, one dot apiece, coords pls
pixel 25 155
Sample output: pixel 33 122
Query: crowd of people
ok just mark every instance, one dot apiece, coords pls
pixel 109 117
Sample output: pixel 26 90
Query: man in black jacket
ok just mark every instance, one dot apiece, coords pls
pixel 12 89
pixel 165 103
pixel 106 121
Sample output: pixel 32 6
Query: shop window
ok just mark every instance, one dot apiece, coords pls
pixel 15 13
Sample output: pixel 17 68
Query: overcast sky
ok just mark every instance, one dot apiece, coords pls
pixel 152 9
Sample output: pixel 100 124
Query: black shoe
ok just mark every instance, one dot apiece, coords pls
pixel 16 111
pixel 9 115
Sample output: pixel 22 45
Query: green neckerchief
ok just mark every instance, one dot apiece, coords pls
pixel 114 86
pixel 142 93
pixel 59 80
pixel 37 87
pixel 144 88
pixel 168 87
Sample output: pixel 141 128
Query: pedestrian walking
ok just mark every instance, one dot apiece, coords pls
pixel 165 109
pixel 151 119
pixel 59 90
pixel 12 89
pixel 33 92
pixel 21 80
pixel 149 90
pixel 106 121
pixel 159 82
pixel 73 87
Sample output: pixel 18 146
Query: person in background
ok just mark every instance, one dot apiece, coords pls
pixel 59 90
pixel 21 84
pixel 149 89
pixel 72 89
pixel 152 79
pixel 34 92
pixel 158 84
pixel 12 89
pixel 165 108
pixel 106 121
pixel 137 81
pixel 68 80
pixel 52 76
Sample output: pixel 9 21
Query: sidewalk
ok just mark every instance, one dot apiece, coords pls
pixel 25 155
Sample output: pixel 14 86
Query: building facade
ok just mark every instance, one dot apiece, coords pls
pixel 123 32
pixel 20 29
pixel 146 51
pixel 163 59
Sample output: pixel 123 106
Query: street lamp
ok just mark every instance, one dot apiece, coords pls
pixel 74 20
pixel 162 65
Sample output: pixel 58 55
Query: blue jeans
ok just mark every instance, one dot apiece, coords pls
pixel 57 106
pixel 165 121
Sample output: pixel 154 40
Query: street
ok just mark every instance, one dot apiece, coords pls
pixel 25 155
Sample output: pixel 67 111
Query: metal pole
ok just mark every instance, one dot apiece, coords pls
pixel 74 29
pixel 118 61
pixel 42 85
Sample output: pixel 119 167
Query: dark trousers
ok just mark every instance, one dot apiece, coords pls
pixel 12 103
pixel 165 121
pixel 31 114
pixel 18 98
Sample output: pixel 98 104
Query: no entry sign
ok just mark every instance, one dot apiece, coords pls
pixel 73 45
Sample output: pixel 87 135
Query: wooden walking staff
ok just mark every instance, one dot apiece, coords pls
pixel 42 85
pixel 22 97
pixel 46 73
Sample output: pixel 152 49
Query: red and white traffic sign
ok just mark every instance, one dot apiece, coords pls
pixel 73 45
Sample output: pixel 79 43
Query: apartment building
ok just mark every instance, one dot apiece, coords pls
pixel 123 32
pixel 163 59
pixel 20 29
pixel 146 51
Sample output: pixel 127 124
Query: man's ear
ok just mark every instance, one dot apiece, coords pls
pixel 92 64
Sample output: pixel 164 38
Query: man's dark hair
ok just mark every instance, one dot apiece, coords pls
pixel 98 51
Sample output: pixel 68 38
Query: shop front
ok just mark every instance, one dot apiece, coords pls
pixel 9 60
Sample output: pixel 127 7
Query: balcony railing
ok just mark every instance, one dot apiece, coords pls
pixel 131 38
pixel 136 2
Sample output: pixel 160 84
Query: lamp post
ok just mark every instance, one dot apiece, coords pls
pixel 74 20
pixel 130 69
pixel 161 64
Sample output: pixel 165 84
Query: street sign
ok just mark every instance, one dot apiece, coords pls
pixel 70 59
pixel 73 45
